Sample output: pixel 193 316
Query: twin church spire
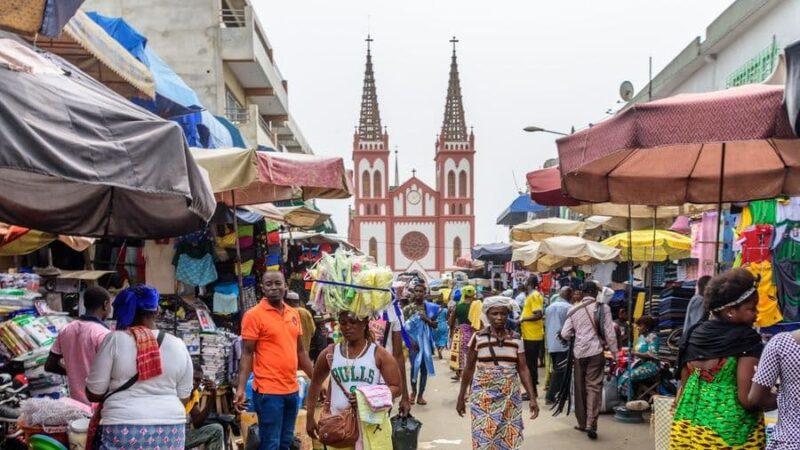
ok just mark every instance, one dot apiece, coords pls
pixel 454 127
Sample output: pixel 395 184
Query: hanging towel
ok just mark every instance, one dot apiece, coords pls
pixel 196 272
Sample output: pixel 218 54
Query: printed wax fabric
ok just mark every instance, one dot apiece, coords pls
pixel 495 404
pixel 709 415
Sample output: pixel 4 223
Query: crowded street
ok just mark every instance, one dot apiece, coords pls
pixel 360 225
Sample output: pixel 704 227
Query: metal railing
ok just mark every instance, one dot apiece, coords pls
pixel 237 115
pixel 232 18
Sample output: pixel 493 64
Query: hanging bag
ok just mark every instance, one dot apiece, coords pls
pixel 92 433
pixel 337 429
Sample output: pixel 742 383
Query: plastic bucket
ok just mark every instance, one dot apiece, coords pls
pixel 77 434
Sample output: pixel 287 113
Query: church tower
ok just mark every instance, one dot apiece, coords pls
pixel 369 227
pixel 455 150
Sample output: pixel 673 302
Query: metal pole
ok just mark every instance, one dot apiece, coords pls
pixel 653 257
pixel 719 209
pixel 630 297
pixel 238 252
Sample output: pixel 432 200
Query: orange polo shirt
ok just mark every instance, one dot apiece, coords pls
pixel 275 358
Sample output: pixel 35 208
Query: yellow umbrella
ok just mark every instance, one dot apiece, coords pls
pixel 667 245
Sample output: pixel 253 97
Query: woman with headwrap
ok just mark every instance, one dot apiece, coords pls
pixel 461 321
pixel 455 333
pixel 142 377
pixel 421 324
pixel 718 358
pixel 495 366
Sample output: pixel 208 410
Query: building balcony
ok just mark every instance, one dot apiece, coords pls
pixel 255 131
pixel 290 136
pixel 247 52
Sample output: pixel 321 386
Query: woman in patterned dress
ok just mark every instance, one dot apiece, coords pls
pixel 645 357
pixel 495 366
pixel 718 358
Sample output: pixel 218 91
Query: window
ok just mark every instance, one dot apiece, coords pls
pixel 456 249
pixel 373 248
pixel 451 184
pixel 366 190
pixel 377 186
pixel 461 209
pixel 234 110
pixel 462 184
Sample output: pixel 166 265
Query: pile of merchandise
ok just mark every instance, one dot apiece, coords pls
pixel 671 316
pixel 344 281
pixel 219 358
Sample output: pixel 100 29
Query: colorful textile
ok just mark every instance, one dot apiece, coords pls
pixel 148 355
pixel 466 332
pixel 142 437
pixel 788 283
pixel 764 211
pixel 756 242
pixel 642 370
pixel 422 334
pixel 133 299
pixel 769 312
pixel 709 414
pixel 196 271
pixel 475 312
pixel 442 333
pixel 787 241
pixel 375 428
pixel 496 408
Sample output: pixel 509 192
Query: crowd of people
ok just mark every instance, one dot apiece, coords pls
pixel 148 389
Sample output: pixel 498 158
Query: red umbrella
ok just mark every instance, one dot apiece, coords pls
pixel 731 145
pixel 546 189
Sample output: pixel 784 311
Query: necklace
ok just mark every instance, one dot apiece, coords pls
pixel 360 353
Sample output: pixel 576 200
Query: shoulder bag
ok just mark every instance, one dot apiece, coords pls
pixel 337 429
pixel 92 433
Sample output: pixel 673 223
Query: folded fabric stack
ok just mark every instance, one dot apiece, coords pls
pixel 217 355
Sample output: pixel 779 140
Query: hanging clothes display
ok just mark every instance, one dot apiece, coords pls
pixel 764 211
pixel 159 271
pixel 704 243
pixel 787 279
pixel 769 312
pixel 756 243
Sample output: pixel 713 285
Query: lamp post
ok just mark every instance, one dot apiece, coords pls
pixel 535 129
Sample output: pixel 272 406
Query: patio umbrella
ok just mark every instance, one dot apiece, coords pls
pixel 497 253
pixel 559 251
pixel 78 159
pixel 539 229
pixel 667 245
pixel 518 210
pixel 545 185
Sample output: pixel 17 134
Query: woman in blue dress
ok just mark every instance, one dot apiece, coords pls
pixel 442 334
pixel 645 360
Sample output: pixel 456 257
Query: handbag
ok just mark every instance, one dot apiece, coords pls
pixel 337 429
pixel 92 435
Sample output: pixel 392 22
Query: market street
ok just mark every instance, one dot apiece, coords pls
pixel 443 429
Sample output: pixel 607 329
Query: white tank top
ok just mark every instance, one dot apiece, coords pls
pixel 352 373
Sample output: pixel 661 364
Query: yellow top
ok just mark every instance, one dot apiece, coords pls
pixel 532 330
pixel 193 400
pixel 474 315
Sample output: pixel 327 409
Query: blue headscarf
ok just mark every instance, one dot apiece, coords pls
pixel 457 295
pixel 132 299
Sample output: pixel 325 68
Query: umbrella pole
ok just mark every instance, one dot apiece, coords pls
pixel 653 257
pixel 630 296
pixel 719 209
pixel 238 252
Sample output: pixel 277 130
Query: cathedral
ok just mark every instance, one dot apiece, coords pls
pixel 412 225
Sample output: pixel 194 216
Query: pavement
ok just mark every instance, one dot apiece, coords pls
pixel 442 428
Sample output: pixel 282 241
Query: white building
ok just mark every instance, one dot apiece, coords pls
pixel 220 50
pixel 741 46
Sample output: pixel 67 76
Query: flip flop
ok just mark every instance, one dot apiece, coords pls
pixel 422 402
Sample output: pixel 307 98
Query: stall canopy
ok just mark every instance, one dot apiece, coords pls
pixel 29 17
pixel 174 99
pixel 538 229
pixel 318 238
pixel 559 251
pixel 86 45
pixel 497 253
pixel 78 159
pixel 295 216
pixel 518 211
pixel 667 245
pixel 250 177
pixel 731 145
pixel 545 186
pixel 16 240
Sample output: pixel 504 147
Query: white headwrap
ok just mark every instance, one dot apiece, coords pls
pixel 495 302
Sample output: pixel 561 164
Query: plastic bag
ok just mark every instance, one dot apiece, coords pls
pixel 405 432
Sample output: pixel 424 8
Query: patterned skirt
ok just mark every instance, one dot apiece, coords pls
pixel 455 345
pixel 142 437
pixel 496 408
pixel 463 347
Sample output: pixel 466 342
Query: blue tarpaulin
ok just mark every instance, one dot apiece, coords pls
pixel 517 211
pixel 56 14
pixel 236 136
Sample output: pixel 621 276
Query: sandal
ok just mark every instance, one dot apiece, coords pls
pixel 582 430
pixel 421 402
pixel 412 398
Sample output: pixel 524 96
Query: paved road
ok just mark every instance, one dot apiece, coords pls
pixel 443 429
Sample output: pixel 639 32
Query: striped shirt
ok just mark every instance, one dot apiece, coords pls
pixel 505 351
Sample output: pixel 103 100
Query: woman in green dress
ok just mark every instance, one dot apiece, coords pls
pixel 718 358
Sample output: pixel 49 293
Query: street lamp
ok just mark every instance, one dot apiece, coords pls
pixel 535 129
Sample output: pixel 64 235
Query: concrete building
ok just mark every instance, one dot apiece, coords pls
pixel 411 225
pixel 741 46
pixel 220 50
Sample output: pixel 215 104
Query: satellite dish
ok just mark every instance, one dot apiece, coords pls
pixel 626 91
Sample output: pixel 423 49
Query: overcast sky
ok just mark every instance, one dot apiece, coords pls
pixel 554 64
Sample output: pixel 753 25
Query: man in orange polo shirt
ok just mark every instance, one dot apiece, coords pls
pixel 272 350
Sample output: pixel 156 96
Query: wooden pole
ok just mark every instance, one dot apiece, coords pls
pixel 238 253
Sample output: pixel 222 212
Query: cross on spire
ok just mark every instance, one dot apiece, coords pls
pixel 413 173
pixel 369 124
pixel 454 127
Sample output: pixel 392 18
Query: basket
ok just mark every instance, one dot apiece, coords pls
pixel 22 16
pixel 59 433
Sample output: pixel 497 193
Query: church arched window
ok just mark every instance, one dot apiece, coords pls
pixel 373 248
pixel 451 184
pixel 462 184
pixel 456 248
pixel 366 189
pixel 377 185
pixel 461 209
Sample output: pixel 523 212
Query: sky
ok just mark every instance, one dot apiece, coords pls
pixel 553 64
